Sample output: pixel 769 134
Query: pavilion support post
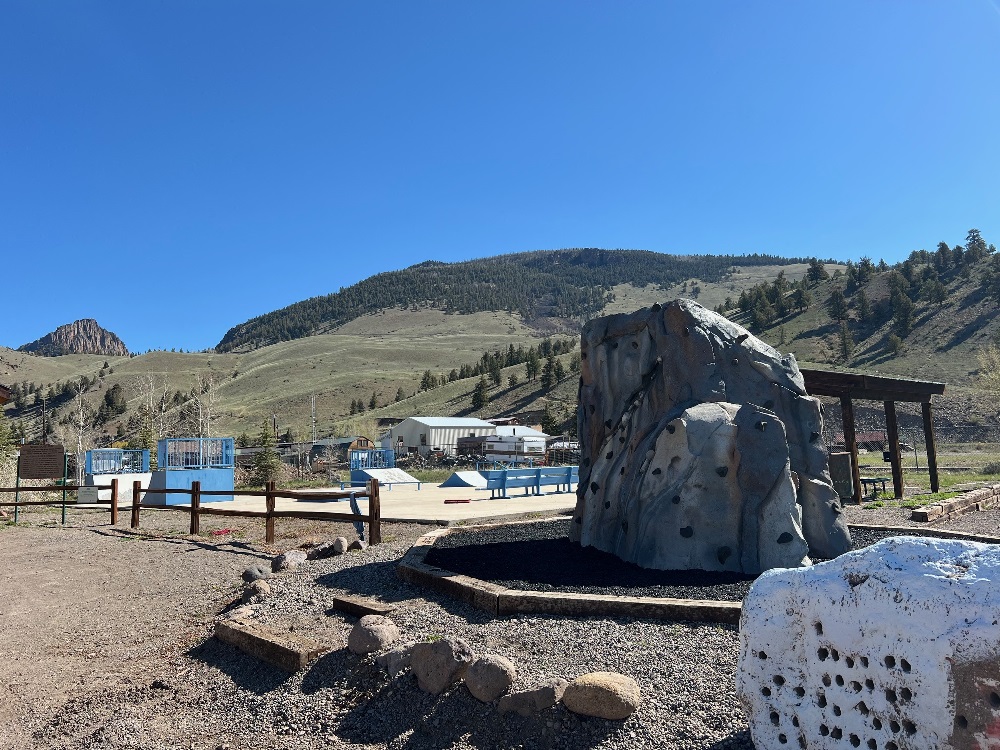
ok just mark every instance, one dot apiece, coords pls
pixel 892 426
pixel 851 444
pixel 931 447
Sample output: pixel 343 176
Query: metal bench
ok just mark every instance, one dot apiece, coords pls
pixel 532 480
pixel 873 482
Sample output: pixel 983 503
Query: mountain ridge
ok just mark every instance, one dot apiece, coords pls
pixel 84 336
pixel 559 284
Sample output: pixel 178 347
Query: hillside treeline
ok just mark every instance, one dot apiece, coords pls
pixel 557 283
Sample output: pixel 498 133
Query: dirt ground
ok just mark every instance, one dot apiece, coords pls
pixel 100 625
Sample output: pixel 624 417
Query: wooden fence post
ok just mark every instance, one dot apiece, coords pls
pixel 374 513
pixel 114 501
pixel 269 522
pixel 195 508
pixel 136 496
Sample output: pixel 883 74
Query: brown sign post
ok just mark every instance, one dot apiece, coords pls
pixel 41 462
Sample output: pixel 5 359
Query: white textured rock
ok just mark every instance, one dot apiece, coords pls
pixel 652 386
pixel 256 591
pixel 893 646
pixel 340 545
pixel 397 660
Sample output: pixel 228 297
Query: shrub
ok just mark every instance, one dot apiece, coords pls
pixel 993 467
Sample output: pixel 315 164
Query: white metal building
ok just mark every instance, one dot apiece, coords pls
pixel 434 434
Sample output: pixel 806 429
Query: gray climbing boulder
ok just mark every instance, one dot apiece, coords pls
pixel 699 447
pixel 256 573
pixel 397 660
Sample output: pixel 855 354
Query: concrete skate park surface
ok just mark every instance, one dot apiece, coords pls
pixel 405 503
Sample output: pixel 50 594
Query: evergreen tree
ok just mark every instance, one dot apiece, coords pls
pixel 243 440
pixel 559 371
pixel 846 341
pixel 481 393
pixel 816 271
pixel 550 425
pixel 428 381
pixel 837 304
pixel 549 373
pixel 513 380
pixel 373 402
pixel 531 364
pixel 266 462
pixel 399 394
pixel 894 344
pixel 864 307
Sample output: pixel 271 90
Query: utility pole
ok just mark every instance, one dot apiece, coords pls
pixel 312 405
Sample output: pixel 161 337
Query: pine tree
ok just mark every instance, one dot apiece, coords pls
pixel 373 402
pixel 864 307
pixel 399 394
pixel 549 373
pixel 266 462
pixel 846 341
pixel 531 364
pixel 837 305
pixel 549 423
pixel 481 393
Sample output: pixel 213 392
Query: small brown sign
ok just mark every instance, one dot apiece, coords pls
pixel 41 462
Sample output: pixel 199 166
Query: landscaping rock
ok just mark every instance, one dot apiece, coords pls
pixel 340 545
pixel 289 560
pixel 372 633
pixel 358 545
pixel 255 573
pixel 440 664
pixel 257 591
pixel 490 676
pixel 605 695
pixel 322 551
pixel 529 702
pixel 397 660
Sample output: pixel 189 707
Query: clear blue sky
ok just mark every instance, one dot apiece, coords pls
pixel 174 168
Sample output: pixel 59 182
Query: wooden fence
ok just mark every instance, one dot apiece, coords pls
pixel 196 510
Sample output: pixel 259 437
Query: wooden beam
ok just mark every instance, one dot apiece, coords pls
pixel 851 444
pixel 931 447
pixel 892 427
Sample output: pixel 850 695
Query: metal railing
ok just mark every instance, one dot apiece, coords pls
pixel 196 453
pixel 117 461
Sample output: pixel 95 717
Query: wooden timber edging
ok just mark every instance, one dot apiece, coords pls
pixel 501 601
pixel 967 502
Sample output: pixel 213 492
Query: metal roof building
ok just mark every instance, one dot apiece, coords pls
pixel 434 434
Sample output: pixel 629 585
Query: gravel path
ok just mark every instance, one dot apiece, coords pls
pixel 120 653
pixel 107 644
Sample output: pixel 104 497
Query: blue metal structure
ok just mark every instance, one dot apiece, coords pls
pixel 376 458
pixel 182 461
pixel 196 453
pixel 117 461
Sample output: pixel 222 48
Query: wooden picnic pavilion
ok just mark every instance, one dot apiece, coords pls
pixel 850 386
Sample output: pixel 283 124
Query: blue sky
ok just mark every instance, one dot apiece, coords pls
pixel 175 168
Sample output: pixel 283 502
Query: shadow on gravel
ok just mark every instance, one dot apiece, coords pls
pixel 247 672
pixel 738 741
pixel 401 715
pixel 229 547
pixel 367 580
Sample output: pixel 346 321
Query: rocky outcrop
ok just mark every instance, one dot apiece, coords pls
pixel 81 337
pixel 891 646
pixel 699 447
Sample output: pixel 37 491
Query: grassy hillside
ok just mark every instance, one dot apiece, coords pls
pixel 387 351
